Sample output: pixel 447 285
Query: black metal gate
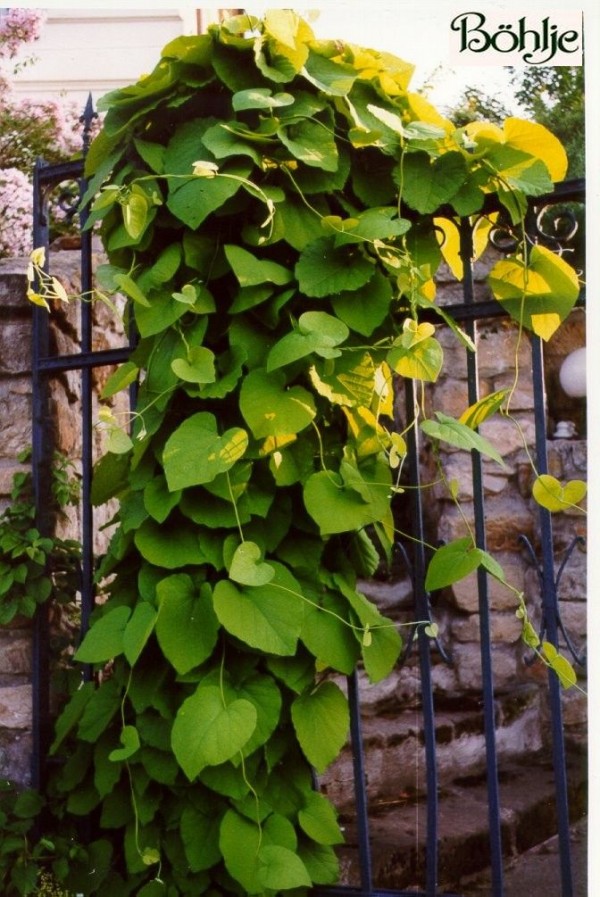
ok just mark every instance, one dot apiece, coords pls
pixel 469 313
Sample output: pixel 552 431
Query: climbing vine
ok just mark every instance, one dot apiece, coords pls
pixel 270 205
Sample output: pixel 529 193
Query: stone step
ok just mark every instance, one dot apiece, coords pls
pixel 394 746
pixel 398 827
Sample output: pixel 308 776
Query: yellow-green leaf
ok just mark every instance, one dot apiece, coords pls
pixel 540 293
pixel 478 412
pixel 552 495
pixel 534 138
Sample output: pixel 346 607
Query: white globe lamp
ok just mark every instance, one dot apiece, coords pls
pixel 572 374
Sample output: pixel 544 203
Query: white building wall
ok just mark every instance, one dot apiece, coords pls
pixel 98 50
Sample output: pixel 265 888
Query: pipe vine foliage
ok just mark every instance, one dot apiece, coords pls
pixel 270 206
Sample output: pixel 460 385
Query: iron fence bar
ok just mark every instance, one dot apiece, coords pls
pixel 492 783
pixel 422 612
pixel 360 786
pixel 81 361
pixel 550 615
pixel 40 462
pixel 87 515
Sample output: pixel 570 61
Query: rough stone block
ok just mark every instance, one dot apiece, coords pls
pixel 15 707
pixel 15 348
pixel 15 754
pixel 15 652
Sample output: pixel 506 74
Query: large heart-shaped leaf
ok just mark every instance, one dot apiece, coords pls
pixel 251 271
pixel 207 732
pixel 271 409
pixel 104 639
pixel 268 618
pixel 324 269
pixel 196 454
pixel 321 721
pixel 185 609
pixel 538 293
pixel 339 504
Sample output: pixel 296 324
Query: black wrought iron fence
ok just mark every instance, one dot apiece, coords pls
pixel 470 313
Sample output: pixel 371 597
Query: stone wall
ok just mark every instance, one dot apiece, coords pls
pixel 15 436
pixel 392 725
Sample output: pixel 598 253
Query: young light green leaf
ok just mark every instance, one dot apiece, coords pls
pixel 247 568
pixel 130 741
pixel 561 666
pixel 198 367
pixel 552 495
pixel 452 431
pixel 317 332
pixel 451 563
pixel 135 214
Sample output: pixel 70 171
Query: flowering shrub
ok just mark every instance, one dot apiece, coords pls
pixel 18 27
pixel 16 208
pixel 28 130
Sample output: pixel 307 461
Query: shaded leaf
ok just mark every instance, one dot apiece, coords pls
pixel 183 608
pixel 104 639
pixel 324 270
pixel 321 720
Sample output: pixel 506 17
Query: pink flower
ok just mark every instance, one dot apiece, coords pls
pixel 16 213
pixel 18 27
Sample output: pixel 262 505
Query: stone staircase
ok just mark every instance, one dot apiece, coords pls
pixel 394 758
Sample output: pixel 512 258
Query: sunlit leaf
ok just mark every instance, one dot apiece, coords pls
pixel 456 433
pixel 540 293
pixel 552 495
pixel 478 412
pixel 195 453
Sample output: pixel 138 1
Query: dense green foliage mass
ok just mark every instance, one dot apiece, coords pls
pixel 267 203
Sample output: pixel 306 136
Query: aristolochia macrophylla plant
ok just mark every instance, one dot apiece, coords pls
pixel 269 205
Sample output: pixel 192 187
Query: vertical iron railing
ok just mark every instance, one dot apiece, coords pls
pixel 45 365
